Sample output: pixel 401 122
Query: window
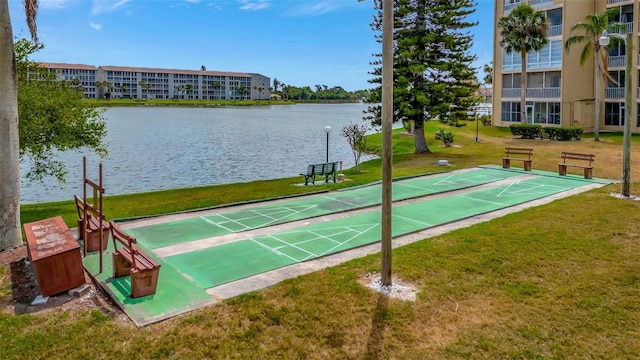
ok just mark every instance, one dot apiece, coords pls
pixel 614 114
pixel 511 111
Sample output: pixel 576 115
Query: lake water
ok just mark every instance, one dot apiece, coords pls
pixel 156 148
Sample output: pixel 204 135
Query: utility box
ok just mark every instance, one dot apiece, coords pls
pixel 55 256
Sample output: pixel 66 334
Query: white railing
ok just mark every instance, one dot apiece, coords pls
pixel 617 61
pixel 540 3
pixel 533 93
pixel 626 28
pixel 555 30
pixel 509 7
pixel 617 1
pixel 511 93
pixel 614 93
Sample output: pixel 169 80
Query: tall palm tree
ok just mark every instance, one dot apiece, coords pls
pixel 522 31
pixel 10 234
pixel 591 30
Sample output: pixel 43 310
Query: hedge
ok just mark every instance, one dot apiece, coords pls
pixel 532 131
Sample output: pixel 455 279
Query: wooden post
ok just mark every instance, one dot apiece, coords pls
pixel 387 118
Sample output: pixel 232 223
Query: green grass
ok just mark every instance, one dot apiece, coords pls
pixel 558 281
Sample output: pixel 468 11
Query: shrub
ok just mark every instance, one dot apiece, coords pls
pixel 526 131
pixel 446 137
pixel 563 133
pixel 485 120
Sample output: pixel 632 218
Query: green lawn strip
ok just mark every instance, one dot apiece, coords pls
pixel 179 231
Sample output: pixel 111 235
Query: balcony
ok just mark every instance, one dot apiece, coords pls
pixel 614 93
pixel 509 7
pixel 618 1
pixel 555 30
pixel 533 93
pixel 627 28
pixel 537 4
pixel 617 61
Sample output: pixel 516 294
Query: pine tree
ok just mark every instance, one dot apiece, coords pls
pixel 433 73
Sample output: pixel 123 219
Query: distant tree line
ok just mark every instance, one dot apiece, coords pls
pixel 318 93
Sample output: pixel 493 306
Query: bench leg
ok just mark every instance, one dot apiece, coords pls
pixel 527 165
pixel 144 283
pixel 588 173
pixel 93 239
pixel 506 163
pixel 562 169
pixel 121 267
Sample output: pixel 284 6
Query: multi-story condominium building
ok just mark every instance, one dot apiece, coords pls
pixel 154 83
pixel 86 76
pixel 560 91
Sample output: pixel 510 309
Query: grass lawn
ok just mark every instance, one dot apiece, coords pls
pixel 558 281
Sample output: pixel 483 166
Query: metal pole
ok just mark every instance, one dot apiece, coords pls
pixel 477 127
pixel 387 114
pixel 626 142
pixel 327 147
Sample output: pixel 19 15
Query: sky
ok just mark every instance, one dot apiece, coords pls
pixel 299 42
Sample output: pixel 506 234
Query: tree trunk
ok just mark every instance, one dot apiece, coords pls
pixel 10 235
pixel 523 88
pixel 420 141
pixel 598 98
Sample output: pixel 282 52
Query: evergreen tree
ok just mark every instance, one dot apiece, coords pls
pixel 433 74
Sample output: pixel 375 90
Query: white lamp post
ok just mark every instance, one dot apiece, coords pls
pixel 327 129
pixel 626 138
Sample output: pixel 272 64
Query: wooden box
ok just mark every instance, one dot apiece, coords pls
pixel 55 256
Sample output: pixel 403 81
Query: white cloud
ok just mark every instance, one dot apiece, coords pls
pixel 107 6
pixel 254 5
pixel 97 27
pixel 193 1
pixel 319 7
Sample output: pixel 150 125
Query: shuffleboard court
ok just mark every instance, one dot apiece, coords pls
pixel 220 264
pixel 206 226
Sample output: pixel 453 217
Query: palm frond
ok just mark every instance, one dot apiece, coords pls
pixel 31 10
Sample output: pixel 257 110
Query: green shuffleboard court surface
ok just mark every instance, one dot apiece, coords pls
pixel 187 272
pixel 202 227
pixel 225 263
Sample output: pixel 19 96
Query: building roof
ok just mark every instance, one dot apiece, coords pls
pixel 172 71
pixel 68 66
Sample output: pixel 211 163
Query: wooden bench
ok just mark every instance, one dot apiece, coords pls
pixel 93 225
pixel 518 154
pixel 129 259
pixel 587 165
pixel 328 170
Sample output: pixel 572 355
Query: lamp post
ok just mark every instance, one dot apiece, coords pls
pixel 626 137
pixel 327 129
pixel 477 127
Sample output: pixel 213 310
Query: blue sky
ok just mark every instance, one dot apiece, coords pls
pixel 299 42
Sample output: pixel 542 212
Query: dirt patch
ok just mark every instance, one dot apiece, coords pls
pixel 399 289
pixel 24 290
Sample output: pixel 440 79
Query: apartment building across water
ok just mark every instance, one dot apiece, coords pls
pixel 560 91
pixel 153 83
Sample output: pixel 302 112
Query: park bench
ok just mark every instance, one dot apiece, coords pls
pixel 587 159
pixel 328 170
pixel 90 220
pixel 129 259
pixel 518 154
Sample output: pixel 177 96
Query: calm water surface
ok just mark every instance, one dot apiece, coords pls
pixel 156 148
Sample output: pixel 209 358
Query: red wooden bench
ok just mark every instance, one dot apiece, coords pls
pixel 129 259
pixel 94 221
